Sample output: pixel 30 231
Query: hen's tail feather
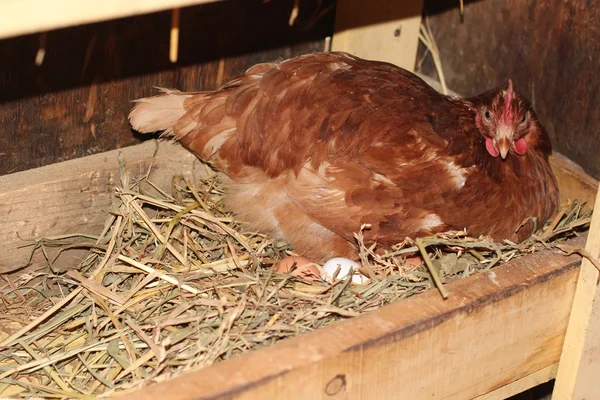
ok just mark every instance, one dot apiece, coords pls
pixel 197 119
pixel 160 112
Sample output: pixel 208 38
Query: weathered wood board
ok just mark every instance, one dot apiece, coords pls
pixel 574 183
pixel 388 31
pixel 580 361
pixel 75 196
pixel 18 18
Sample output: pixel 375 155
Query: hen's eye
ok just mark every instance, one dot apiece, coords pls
pixel 524 118
pixel 487 115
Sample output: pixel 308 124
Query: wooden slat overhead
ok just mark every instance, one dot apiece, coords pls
pixel 19 17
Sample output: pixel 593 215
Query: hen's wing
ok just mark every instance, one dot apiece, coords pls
pixel 397 200
pixel 315 107
pixel 362 141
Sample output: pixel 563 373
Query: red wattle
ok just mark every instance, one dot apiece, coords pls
pixel 521 146
pixel 489 146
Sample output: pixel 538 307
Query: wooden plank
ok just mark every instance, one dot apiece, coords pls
pixel 485 336
pixel 574 183
pixel 75 196
pixel 577 376
pixel 550 49
pixel 21 17
pixel 384 30
pixel 519 386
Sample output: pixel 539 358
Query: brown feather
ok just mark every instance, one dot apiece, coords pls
pixel 317 145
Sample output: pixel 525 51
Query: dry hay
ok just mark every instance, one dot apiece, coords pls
pixel 174 283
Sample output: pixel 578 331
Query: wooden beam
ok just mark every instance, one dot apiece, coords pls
pixel 574 183
pixel 383 30
pixel 75 196
pixel 20 17
pixel 488 334
pixel 579 366
pixel 521 385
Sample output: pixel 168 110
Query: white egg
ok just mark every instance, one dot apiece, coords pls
pixel 346 267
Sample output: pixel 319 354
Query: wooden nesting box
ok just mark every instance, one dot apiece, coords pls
pixel 534 319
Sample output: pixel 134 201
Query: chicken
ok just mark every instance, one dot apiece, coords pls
pixel 315 146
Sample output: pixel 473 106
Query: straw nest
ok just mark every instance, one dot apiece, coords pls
pixel 174 283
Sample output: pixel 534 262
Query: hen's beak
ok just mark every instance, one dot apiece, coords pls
pixel 504 135
pixel 503 146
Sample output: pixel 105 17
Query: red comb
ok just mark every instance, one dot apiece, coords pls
pixel 508 112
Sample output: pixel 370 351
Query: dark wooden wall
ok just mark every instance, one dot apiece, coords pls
pixel 551 50
pixel 77 101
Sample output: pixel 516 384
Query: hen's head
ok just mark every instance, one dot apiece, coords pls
pixel 508 123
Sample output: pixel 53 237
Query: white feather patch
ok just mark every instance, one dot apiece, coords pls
pixel 459 174
pixel 214 144
pixel 158 113
pixel 383 179
pixel 431 221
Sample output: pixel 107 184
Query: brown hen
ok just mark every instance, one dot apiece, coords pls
pixel 314 146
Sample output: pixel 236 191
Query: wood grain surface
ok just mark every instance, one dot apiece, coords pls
pixel 76 196
pixel 579 364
